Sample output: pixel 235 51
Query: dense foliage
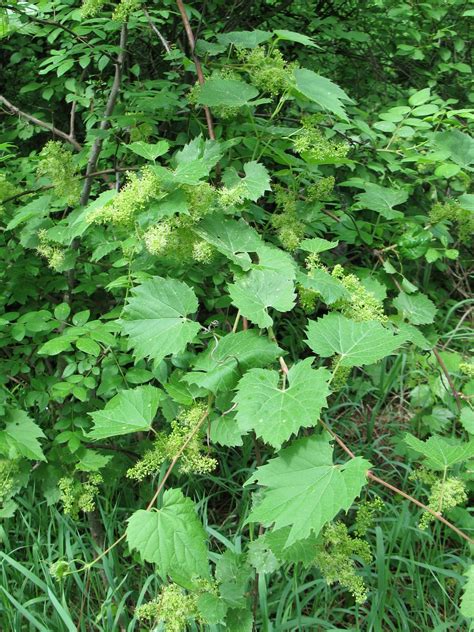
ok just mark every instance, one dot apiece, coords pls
pixel 237 389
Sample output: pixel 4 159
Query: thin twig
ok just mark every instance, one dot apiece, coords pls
pixel 28 117
pixel 153 27
pixel 197 64
pixel 371 476
pixel 455 392
pixel 104 124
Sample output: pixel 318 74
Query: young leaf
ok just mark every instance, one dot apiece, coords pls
pixel 276 413
pixel 356 343
pixel 256 181
pixel 418 309
pixel 155 318
pixel 129 411
pixel 304 489
pixel 440 453
pixel 225 361
pixel 211 608
pixel 260 289
pixel 20 437
pixel 172 537
pixel 322 91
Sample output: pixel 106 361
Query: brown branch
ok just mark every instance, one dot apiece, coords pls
pixel 153 27
pixel 371 476
pixel 197 64
pixel 104 124
pixel 36 121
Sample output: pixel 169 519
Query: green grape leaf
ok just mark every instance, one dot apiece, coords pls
pixel 226 92
pixel 292 36
pixel 460 146
pixel 256 181
pixel 322 91
pixel 212 608
pixel 239 620
pixel 411 334
pixel 193 162
pixel 418 309
pixel 382 200
pixel 467 600
pixel 233 575
pixel 172 537
pixel 300 551
pixel 276 413
pixel 234 239
pixel 20 437
pixel 224 430
pixel 244 39
pixel 129 411
pixel 225 361
pixel 261 557
pixel 467 419
pixel 155 318
pixel 328 287
pixel 254 293
pixel 305 489
pixel 317 245
pixel 440 453
pixel 149 151
pixel 356 343
pixel 276 260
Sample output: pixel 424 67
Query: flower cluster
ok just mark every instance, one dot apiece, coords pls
pixel 56 162
pixel 268 70
pixel 307 298
pixel 173 607
pixel 334 559
pixel 361 305
pixel 321 189
pixel 310 140
pixel 124 9
pixel 54 255
pixel 173 237
pixel 340 374
pixel 8 472
pixel 467 368
pixel 59 569
pixel 366 514
pixel 78 495
pixel 7 189
pixel 132 199
pixel 451 211
pixel 167 446
pixel 90 8
pixel 290 229
pixel 445 494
